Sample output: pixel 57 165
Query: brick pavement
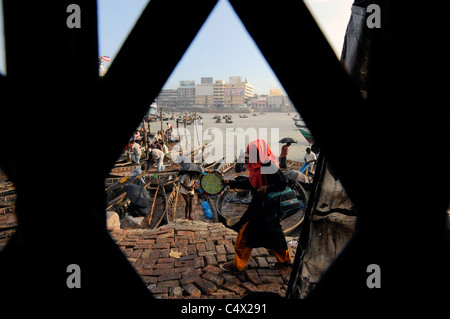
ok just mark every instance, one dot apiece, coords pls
pixel 180 260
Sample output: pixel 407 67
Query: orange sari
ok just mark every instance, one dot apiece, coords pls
pixel 242 252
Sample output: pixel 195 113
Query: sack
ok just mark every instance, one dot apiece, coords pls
pixel 283 204
pixel 207 209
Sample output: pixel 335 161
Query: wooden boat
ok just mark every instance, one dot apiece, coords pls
pixel 157 185
pixel 151 180
pixel 296 123
pixel 307 135
pixel 124 171
pixel 158 211
pixel 120 202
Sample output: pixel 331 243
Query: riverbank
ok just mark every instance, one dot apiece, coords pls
pixel 228 110
pixel 231 138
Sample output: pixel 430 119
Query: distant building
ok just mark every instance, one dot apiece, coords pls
pixel 234 79
pixel 211 94
pixel 186 93
pixel 278 103
pixel 168 98
pixel 204 93
pixel 236 93
pixel 258 102
pixel 276 92
pixel 208 80
pixel 219 88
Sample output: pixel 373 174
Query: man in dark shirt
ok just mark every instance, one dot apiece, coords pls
pixel 283 155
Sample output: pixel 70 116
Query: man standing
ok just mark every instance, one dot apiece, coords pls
pixel 310 158
pixel 136 152
pixel 187 191
pixel 283 155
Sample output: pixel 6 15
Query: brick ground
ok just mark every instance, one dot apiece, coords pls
pixel 181 260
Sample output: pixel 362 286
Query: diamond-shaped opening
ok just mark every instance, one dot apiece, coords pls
pixel 222 73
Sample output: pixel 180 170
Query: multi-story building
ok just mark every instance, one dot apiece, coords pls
pixel 218 92
pixel 258 102
pixel 186 94
pixel 278 103
pixel 210 94
pixel 237 93
pixel 168 98
pixel 204 93
pixel 207 80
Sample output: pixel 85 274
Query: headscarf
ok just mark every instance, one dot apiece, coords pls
pixel 261 150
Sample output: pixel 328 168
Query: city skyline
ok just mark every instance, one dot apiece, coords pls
pixel 222 47
pixel 236 94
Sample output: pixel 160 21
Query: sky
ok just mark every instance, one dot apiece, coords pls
pixel 221 49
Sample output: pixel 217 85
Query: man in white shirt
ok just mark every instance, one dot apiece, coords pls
pixel 136 152
pixel 158 156
pixel 311 158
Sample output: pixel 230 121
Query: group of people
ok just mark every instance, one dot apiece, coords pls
pixel 155 149
pixel 310 157
pixel 254 228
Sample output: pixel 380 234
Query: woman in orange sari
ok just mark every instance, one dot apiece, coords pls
pixel 254 229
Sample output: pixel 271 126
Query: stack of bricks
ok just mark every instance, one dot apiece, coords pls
pixel 181 260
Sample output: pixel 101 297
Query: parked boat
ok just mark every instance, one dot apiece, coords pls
pixel 307 135
pixel 126 170
pixel 296 123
